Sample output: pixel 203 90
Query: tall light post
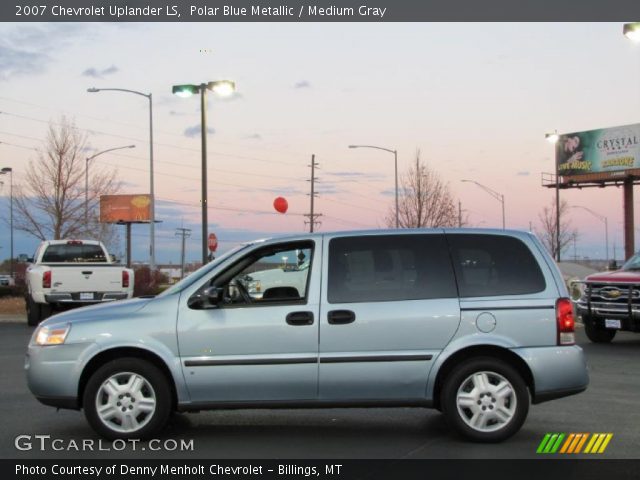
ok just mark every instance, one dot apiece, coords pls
pixel 553 139
pixel 494 194
pixel 5 171
pixel 222 88
pixel 632 32
pixel 395 157
pixel 86 179
pixel 604 220
pixel 152 223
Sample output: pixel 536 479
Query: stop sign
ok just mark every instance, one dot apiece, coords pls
pixel 212 242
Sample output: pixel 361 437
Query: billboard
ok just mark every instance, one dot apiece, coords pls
pixel 604 153
pixel 125 208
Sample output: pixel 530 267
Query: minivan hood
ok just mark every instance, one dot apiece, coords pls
pixel 99 311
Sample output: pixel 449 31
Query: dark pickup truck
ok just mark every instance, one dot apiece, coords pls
pixel 610 301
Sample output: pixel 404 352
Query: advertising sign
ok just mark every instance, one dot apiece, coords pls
pixel 608 152
pixel 125 208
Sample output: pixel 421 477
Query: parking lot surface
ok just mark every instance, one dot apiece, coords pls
pixel 610 405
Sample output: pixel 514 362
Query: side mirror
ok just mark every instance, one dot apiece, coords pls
pixel 213 294
pixel 210 296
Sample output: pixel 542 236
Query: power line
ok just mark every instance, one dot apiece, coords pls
pixel 168 145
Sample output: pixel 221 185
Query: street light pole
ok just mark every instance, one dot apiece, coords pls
pixel 152 223
pixel 4 171
pixel 553 139
pixel 494 194
pixel 86 179
pixel 395 157
pixel 221 87
pixel 203 134
pixel 604 220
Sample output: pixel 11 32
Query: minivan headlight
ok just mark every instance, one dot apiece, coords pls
pixel 52 335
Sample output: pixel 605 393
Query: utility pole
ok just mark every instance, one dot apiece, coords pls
pixel 184 233
pixel 312 215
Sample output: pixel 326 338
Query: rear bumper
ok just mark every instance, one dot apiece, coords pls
pixel 558 371
pixel 98 297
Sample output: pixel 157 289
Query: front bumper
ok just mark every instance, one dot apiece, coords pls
pixel 53 372
pixel 596 315
pixel 558 371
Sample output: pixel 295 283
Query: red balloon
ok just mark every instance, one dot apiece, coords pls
pixel 281 205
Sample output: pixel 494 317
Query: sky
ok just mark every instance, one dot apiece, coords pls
pixel 476 100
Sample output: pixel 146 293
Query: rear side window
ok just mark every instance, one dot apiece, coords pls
pixel 389 268
pixel 73 253
pixel 491 265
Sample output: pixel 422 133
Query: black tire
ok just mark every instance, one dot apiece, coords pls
pixel 36 312
pixel 156 387
pixel 515 401
pixel 598 334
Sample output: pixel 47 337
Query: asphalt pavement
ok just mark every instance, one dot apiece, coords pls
pixel 610 405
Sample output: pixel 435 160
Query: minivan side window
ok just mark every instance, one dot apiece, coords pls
pixel 389 268
pixel 275 274
pixel 492 265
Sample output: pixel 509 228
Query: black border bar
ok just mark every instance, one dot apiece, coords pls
pixel 320 11
pixel 536 468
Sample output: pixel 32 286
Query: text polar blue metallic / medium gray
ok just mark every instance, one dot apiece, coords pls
pixel 473 322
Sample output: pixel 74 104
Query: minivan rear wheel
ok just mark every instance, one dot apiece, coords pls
pixel 485 400
pixel 127 398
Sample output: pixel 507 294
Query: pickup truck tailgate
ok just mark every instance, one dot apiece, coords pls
pixel 86 280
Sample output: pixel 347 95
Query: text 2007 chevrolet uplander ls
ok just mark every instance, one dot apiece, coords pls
pixel 475 323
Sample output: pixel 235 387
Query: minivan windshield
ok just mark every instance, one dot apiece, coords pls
pixel 633 263
pixel 202 271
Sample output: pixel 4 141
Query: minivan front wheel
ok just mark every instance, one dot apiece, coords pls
pixel 485 400
pixel 127 398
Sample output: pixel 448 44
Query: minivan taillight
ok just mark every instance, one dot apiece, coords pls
pixel 46 279
pixel 566 323
pixel 125 279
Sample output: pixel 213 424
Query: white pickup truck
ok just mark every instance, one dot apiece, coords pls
pixel 73 273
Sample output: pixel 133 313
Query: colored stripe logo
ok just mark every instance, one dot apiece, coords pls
pixel 573 443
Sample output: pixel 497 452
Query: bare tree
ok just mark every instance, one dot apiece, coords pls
pixel 50 204
pixel 549 232
pixel 425 200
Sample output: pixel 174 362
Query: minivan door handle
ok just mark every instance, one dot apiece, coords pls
pixel 341 317
pixel 300 318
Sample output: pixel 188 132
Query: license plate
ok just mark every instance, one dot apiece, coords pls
pixel 89 296
pixel 612 323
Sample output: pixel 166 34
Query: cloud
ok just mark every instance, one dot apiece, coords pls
pixel 25 49
pixel 302 84
pixel 95 73
pixel 523 173
pixel 254 136
pixel 194 131
pixel 16 62
pixel 357 176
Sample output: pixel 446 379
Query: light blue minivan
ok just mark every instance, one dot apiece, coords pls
pixel 475 323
